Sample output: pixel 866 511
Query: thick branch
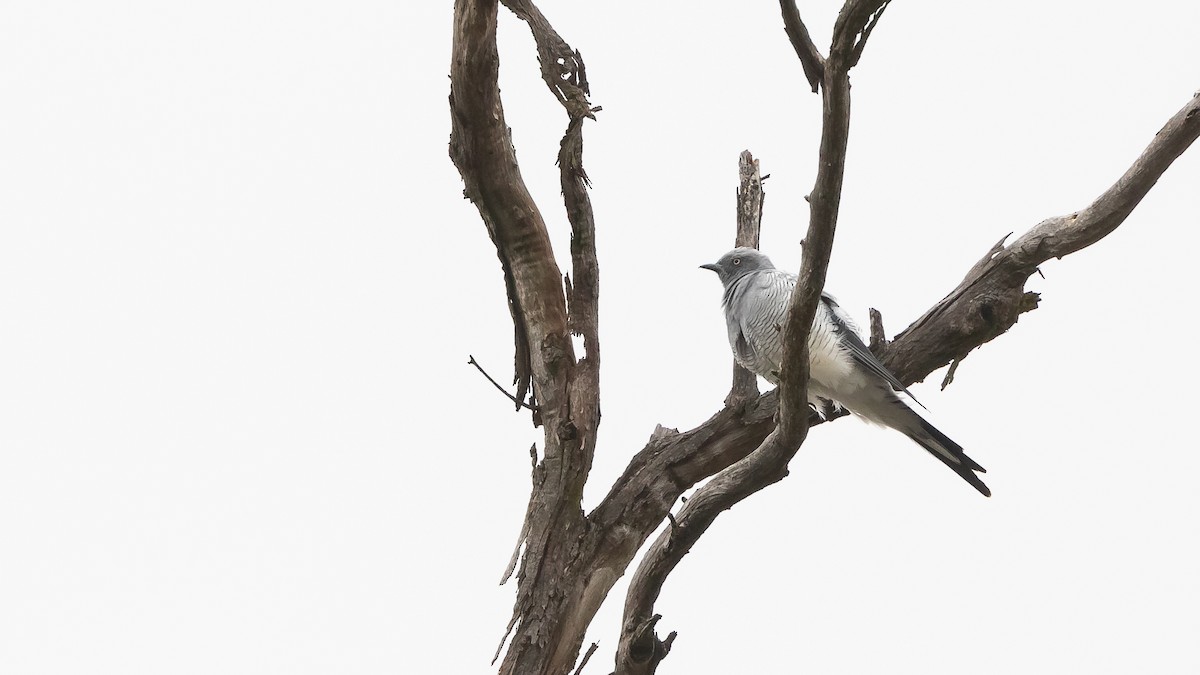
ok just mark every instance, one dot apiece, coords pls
pixel 548 612
pixel 482 150
pixel 564 73
pixel 562 67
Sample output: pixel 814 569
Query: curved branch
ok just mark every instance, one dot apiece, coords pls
pixel 562 67
pixel 564 73
pixel 548 611
pixel 482 149
pixel 640 651
pixel 852 28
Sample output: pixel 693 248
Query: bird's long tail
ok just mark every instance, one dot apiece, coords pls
pixel 881 405
pixel 949 453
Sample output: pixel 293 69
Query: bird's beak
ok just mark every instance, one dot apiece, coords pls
pixel 711 266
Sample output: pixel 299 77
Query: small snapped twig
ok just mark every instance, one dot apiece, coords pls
pixel 591 650
pixel 514 399
pixel 666 644
pixel 950 374
pixel 878 335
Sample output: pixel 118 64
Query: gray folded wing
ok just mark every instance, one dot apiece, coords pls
pixel 755 308
pixel 849 340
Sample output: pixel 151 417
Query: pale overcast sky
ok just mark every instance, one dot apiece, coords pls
pixel 239 286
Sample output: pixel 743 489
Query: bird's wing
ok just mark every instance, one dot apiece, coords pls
pixel 760 310
pixel 848 337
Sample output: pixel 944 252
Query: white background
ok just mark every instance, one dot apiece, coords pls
pixel 239 286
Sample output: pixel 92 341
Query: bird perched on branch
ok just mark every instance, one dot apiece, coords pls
pixel 841 368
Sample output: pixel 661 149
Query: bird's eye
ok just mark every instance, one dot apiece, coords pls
pixel 737 261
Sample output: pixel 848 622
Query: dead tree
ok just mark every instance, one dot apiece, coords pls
pixel 572 559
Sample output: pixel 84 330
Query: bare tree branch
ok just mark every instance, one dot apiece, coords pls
pixel 549 618
pixel 639 651
pixel 750 198
pixel 564 72
pixel 861 44
pixel 992 295
pixel 552 597
pixel 878 334
pixel 481 148
pixel 852 28
pixel 562 67
pixel 810 57
pixel 520 404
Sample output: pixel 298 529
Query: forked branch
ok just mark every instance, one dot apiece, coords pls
pixel 547 616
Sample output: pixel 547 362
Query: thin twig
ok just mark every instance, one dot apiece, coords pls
pixel 514 399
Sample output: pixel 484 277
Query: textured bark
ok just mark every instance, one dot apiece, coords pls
pixel 548 607
pixel 810 57
pixel 750 198
pixel 571 560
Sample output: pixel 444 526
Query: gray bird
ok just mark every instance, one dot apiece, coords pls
pixel 841 368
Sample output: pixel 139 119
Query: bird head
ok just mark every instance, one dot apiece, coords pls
pixel 738 262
